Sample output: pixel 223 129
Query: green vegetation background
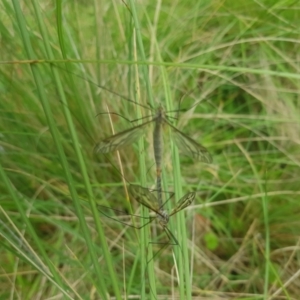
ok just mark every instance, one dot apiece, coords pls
pixel 234 68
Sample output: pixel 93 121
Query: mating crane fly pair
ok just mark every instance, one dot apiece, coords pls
pixel 186 144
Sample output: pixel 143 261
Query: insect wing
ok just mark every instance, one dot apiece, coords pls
pixel 120 139
pixel 144 197
pixel 184 202
pixel 189 146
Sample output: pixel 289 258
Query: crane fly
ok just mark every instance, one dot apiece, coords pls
pixel 185 143
pixel 147 199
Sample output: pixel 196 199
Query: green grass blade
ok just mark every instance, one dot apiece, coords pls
pixel 55 136
pixel 146 260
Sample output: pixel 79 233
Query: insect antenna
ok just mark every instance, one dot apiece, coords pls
pixel 101 86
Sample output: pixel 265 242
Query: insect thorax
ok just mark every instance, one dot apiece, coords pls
pixel 163 218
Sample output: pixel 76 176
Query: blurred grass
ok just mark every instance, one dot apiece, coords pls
pixel 242 231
